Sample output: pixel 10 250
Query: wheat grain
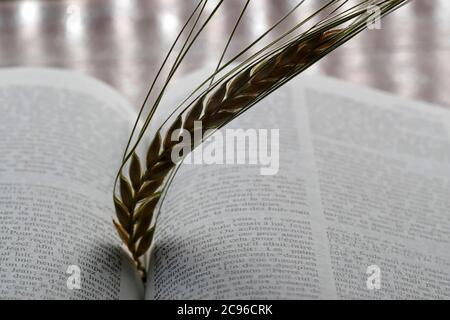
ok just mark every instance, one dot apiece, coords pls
pixel 141 189
pixel 140 193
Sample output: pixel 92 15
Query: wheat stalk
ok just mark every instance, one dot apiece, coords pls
pixel 140 191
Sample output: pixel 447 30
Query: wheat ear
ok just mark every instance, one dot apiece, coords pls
pixel 141 191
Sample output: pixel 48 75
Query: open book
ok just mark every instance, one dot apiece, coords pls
pixel 362 190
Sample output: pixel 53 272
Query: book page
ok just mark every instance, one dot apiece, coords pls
pixel 61 139
pixel 363 183
pixel 383 176
pixel 226 232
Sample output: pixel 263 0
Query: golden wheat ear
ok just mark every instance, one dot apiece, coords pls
pixel 142 187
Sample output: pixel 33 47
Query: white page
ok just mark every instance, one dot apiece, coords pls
pixel 227 232
pixel 62 135
pixel 208 241
pixel 383 176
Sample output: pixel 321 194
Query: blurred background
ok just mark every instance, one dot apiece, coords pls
pixel 123 42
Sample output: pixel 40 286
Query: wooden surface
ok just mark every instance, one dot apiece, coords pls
pixel 124 41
